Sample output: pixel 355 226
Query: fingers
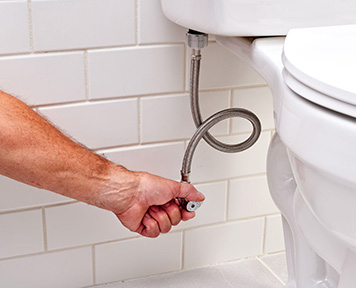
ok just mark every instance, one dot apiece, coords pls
pixel 151 228
pixel 173 212
pixel 154 192
pixel 186 215
pixel 159 219
pixel 188 192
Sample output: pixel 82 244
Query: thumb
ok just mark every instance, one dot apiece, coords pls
pixel 188 192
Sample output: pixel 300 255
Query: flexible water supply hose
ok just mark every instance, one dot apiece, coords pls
pixel 197 41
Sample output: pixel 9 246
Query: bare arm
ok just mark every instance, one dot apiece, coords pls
pixel 34 152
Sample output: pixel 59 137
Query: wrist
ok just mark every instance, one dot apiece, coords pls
pixel 119 189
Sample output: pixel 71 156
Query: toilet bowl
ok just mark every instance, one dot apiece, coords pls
pixel 311 166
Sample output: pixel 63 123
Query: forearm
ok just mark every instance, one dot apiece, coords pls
pixel 34 152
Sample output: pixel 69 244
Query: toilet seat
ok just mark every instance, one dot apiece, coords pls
pixel 320 65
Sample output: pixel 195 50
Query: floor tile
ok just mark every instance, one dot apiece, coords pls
pixel 278 264
pixel 241 274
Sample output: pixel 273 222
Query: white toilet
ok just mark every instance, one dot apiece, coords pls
pixel 312 158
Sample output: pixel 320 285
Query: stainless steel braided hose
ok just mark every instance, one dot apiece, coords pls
pixel 197 41
pixel 195 108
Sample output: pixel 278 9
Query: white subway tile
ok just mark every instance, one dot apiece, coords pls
pixel 99 124
pixel 14 32
pixel 21 233
pixel 15 195
pixel 209 164
pixel 166 118
pixel 80 224
pixel 161 159
pixel 155 27
pixel 75 24
pixel 222 243
pixel 250 197
pixel 274 241
pixel 221 68
pixel 133 71
pixel 44 79
pixel 259 101
pixel 70 269
pixel 212 102
pixel 169 117
pixel 137 258
pixel 213 208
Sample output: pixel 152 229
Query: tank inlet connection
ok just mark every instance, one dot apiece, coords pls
pixel 197 41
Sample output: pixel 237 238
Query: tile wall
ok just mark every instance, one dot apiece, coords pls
pixel 113 75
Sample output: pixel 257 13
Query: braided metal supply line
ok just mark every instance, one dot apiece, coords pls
pixel 197 41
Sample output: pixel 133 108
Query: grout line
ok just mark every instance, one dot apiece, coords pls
pixel 15 210
pixel 86 74
pixel 137 22
pixel 118 282
pixel 93 263
pixel 175 93
pixel 30 24
pixel 135 145
pixel 182 230
pixel 186 66
pixel 58 250
pixel 95 100
pixel 274 253
pixel 270 270
pixel 139 120
pixel 227 200
pixel 242 177
pixel 178 229
pixel 173 141
pixel 94 48
pixel 264 234
pixel 230 119
pixel 182 252
pixel 68 202
pixel 44 227
pixel 221 223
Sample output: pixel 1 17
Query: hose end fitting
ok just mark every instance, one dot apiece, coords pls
pixel 190 206
pixel 196 40
pixel 185 177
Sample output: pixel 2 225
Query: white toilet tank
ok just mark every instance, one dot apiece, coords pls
pixel 258 17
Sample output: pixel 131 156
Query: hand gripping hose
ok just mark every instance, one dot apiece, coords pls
pixel 197 41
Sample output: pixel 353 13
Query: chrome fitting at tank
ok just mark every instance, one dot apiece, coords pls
pixel 197 40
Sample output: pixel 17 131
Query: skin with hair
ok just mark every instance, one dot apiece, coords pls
pixel 35 152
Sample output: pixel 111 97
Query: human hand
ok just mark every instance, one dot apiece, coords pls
pixel 148 205
pixel 156 208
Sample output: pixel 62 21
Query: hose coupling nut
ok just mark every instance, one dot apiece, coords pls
pixel 197 40
pixel 190 206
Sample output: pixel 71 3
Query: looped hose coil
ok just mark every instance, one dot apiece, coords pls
pixel 196 41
